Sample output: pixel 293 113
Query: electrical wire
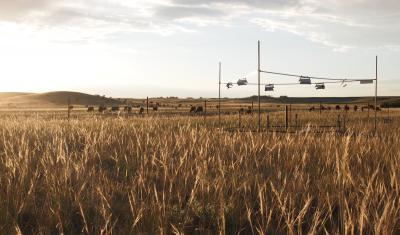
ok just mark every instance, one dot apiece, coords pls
pixel 311 77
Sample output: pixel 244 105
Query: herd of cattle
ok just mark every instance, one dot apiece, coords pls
pixel 345 108
pixel 249 110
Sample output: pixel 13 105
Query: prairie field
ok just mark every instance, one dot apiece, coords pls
pixel 183 174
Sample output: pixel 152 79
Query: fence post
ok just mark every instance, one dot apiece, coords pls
pixel 68 108
pixel 268 123
pixel 290 114
pixel 240 121
pixel 286 117
pixel 296 123
pixel 147 105
pixel 338 123
pixel 205 109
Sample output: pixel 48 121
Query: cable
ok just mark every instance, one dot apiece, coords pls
pixel 292 84
pixel 317 78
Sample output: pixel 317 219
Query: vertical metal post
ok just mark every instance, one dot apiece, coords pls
pixel 376 93
pixel 259 85
pixel 268 123
pixel 147 105
pixel 219 97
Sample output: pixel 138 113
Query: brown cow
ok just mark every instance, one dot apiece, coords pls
pixel 102 109
pixel 90 109
pixel 128 109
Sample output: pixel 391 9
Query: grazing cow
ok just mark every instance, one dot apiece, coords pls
pixel 192 109
pixel 115 109
pixel 241 110
pixel 128 109
pixel 338 107
pixel 199 109
pixel 355 108
pixel 155 108
pixel 323 107
pixel 329 108
pixel 311 109
pixel 249 110
pixel 141 110
pixel 102 109
pixel 90 109
pixel 346 108
pixel 378 109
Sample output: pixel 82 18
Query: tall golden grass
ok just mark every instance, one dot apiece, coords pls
pixel 174 175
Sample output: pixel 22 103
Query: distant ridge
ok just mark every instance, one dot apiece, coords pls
pixel 52 99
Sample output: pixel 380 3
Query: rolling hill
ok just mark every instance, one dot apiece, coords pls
pixel 53 99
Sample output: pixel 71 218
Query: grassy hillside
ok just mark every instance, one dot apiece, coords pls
pixel 52 99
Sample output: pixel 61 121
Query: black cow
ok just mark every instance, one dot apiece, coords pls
pixel 141 110
pixel 90 109
pixel 115 109
pixel 199 109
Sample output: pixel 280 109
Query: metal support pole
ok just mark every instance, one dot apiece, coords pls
pixel 376 93
pixel 268 123
pixel 219 97
pixel 259 85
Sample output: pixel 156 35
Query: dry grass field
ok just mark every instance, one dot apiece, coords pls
pixel 181 174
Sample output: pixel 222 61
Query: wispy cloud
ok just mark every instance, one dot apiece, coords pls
pixel 340 24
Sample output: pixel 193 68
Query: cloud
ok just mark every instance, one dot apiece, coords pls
pixel 340 24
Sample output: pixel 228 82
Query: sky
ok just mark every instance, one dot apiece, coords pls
pixel 139 48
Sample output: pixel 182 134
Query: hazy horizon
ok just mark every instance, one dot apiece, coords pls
pixel 172 47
